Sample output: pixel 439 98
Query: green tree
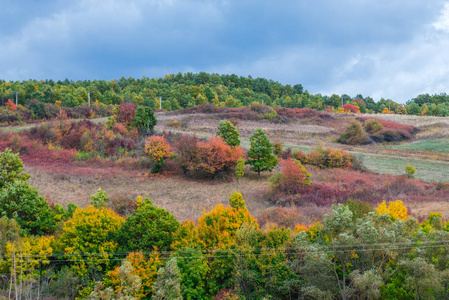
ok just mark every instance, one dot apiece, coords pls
pixel 99 199
pixel 144 120
pixel 147 227
pixel 260 155
pixel 168 282
pixel 20 201
pixel 228 133
pixel 239 169
pixel 11 167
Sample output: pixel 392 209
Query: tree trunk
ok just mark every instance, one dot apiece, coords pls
pixel 258 175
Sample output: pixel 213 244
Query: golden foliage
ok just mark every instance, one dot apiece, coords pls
pixel 395 209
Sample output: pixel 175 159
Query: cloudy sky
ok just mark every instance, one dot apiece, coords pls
pixel 393 49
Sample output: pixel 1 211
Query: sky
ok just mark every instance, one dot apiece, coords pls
pixel 392 49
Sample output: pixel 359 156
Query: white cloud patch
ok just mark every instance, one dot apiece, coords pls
pixel 443 21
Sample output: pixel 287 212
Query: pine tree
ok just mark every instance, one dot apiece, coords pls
pixel 168 282
pixel 260 155
pixel 228 133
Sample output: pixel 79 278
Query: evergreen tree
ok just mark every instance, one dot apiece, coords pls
pixel 228 133
pixel 260 155
pixel 144 120
pixel 168 282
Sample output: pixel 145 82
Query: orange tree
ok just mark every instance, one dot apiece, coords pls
pixel 157 148
pixel 144 267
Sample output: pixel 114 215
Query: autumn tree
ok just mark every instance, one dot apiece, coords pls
pixel 228 133
pixel 206 158
pixel 144 267
pixel 90 231
pixel 126 113
pixel 292 175
pixel 11 105
pixel 157 148
pixel 260 155
pixel 129 284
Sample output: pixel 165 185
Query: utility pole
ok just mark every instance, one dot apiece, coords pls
pixel 160 103
pixel 17 94
pixel 88 98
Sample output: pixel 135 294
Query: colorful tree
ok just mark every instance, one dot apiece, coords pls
pixel 292 175
pixel 144 267
pixel 260 155
pixel 395 209
pixel 126 113
pixel 90 231
pixel 157 148
pixel 11 105
pixel 236 201
pixel 207 158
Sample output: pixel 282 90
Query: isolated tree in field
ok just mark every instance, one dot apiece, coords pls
pixel 260 155
pixel 144 120
pixel 157 148
pixel 228 133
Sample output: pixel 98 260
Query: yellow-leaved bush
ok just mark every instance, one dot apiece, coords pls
pixel 144 267
pixel 395 209
pixel 89 232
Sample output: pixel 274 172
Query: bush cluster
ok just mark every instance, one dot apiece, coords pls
pixel 325 158
pixel 376 130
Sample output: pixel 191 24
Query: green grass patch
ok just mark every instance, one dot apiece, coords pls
pixel 433 145
pixel 427 170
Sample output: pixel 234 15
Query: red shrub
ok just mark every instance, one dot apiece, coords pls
pixel 292 175
pixel 206 158
pixel 352 108
pixel 11 105
pixel 126 112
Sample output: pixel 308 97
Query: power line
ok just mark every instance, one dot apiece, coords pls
pixel 232 252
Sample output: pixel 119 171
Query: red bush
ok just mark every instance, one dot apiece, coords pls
pixel 126 112
pixel 206 158
pixel 350 107
pixel 11 105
